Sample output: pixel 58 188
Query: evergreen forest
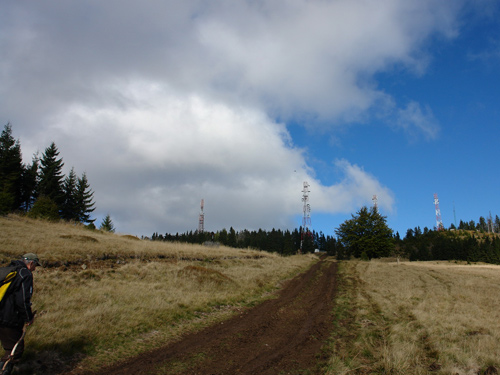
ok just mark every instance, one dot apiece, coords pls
pixel 365 236
pixel 40 189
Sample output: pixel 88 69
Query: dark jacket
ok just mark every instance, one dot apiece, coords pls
pixel 15 308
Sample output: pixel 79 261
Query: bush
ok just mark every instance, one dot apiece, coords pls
pixel 44 208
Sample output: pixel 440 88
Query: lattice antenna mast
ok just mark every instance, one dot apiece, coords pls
pixel 201 222
pixel 306 220
pixel 375 203
pixel 439 222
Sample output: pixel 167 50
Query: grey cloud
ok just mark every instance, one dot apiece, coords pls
pixel 167 102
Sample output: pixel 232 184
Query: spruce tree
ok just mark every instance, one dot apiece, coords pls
pixel 84 200
pixel 366 234
pixel 107 224
pixel 51 176
pixel 11 170
pixel 29 184
pixel 69 210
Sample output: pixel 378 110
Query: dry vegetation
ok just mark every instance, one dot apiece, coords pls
pixel 102 297
pixel 418 318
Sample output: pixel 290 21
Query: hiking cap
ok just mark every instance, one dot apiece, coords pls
pixel 33 257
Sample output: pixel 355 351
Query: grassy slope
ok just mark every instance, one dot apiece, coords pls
pixel 417 318
pixel 102 297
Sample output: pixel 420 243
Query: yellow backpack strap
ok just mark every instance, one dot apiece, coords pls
pixel 6 283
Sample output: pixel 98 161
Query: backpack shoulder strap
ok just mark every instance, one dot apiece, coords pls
pixel 7 275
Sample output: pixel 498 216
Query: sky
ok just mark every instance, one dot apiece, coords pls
pixel 165 103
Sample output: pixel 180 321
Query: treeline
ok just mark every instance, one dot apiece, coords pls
pixel 461 245
pixel 484 225
pixel 40 189
pixel 365 236
pixel 283 242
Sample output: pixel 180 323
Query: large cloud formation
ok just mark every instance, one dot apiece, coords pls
pixel 166 102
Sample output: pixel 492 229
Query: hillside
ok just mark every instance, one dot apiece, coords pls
pixel 108 303
pixel 103 297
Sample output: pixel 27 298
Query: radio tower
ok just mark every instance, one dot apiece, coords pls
pixel 439 222
pixel 375 203
pixel 201 223
pixel 306 220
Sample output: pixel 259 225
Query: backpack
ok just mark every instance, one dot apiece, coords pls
pixel 7 275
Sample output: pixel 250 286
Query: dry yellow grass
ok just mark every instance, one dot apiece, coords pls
pixel 420 318
pixel 107 296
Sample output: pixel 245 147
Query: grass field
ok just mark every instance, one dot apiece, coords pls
pixel 418 318
pixel 102 297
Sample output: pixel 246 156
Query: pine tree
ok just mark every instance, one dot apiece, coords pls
pixel 69 210
pixel 107 224
pixel 231 238
pixel 51 177
pixel 84 200
pixel 482 226
pixel 366 234
pixel 29 184
pixel 11 170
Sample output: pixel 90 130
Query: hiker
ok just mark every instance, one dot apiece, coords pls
pixel 15 311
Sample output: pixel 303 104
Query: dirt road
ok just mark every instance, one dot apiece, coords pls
pixel 280 336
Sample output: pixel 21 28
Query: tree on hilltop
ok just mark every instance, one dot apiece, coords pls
pixel 107 224
pixel 69 205
pixel 84 200
pixel 11 170
pixel 366 235
pixel 29 184
pixel 51 176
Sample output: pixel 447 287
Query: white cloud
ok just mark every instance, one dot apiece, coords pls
pixel 168 102
pixel 356 189
pixel 151 163
pixel 416 120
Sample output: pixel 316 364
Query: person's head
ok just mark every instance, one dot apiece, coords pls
pixel 31 261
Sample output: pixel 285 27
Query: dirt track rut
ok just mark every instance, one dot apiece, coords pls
pixel 280 336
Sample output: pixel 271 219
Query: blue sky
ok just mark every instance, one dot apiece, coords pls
pixel 460 88
pixel 239 102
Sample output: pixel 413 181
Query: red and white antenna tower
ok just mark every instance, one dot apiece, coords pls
pixel 201 223
pixel 439 222
pixel 306 220
pixel 375 203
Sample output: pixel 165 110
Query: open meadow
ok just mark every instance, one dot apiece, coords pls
pixel 418 318
pixel 102 297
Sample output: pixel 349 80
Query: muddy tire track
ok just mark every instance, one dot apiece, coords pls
pixel 280 336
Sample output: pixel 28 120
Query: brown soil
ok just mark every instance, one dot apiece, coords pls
pixel 280 336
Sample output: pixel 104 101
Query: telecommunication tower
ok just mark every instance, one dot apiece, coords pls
pixel 375 203
pixel 306 220
pixel 201 222
pixel 439 222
